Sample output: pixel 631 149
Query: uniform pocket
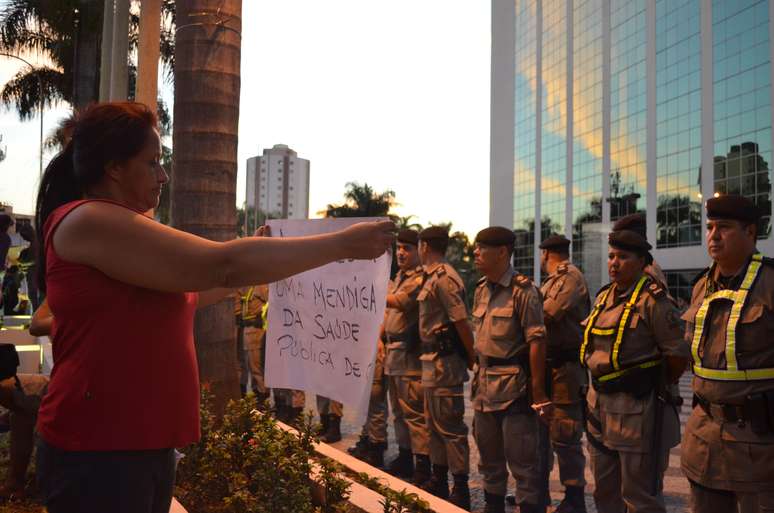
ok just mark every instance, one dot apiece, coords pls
pixel 622 419
pixel 503 383
pixel 694 451
pixel 501 322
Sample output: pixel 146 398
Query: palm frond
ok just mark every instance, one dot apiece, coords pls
pixel 22 92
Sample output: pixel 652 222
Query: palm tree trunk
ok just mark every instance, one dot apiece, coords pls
pixel 87 52
pixel 203 187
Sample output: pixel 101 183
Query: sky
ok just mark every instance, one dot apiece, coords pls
pixel 394 94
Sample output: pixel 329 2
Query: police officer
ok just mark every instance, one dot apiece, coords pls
pixel 373 437
pixel 511 350
pixel 633 348
pixel 402 365
pixel 251 343
pixel 636 223
pixel 566 304
pixel 728 448
pixel 447 353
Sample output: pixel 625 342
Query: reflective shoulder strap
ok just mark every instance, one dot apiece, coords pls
pixel 630 304
pixel 590 326
pixel 736 310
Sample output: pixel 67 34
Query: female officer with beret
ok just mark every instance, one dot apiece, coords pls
pixel 633 347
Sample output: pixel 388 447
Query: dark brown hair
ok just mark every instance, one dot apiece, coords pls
pixel 101 134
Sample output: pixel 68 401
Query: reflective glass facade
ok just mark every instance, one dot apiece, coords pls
pixel 678 123
pixel 624 106
pixel 553 177
pixel 628 136
pixel 587 145
pixel 525 134
pixel 742 103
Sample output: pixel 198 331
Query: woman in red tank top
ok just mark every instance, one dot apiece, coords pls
pixel 124 289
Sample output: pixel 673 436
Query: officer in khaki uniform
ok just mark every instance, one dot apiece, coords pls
pixel 373 437
pixel 402 365
pixel 634 349
pixel 447 354
pixel 510 344
pixel 636 223
pixel 566 304
pixel 251 343
pixel 728 448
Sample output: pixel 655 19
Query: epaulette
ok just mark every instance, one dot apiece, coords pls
pixel 521 280
pixel 562 268
pixel 699 276
pixel 440 270
pixel 655 289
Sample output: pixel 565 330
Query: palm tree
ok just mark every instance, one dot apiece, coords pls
pixel 204 163
pixel 362 201
pixel 67 33
pixel 404 223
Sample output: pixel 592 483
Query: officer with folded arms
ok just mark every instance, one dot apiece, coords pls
pixel 447 354
pixel 565 304
pixel 634 349
pixel 728 448
pixel 511 351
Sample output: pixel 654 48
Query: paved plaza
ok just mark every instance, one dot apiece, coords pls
pixel 675 484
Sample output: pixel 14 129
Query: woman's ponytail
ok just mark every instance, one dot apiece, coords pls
pixel 58 186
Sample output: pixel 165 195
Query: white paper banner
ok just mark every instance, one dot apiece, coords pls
pixel 323 324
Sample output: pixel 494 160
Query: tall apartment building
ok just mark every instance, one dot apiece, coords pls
pixel 278 183
pixel 602 108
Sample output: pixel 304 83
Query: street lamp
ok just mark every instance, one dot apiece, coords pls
pixel 40 104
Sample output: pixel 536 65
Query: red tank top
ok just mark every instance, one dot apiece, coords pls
pixel 125 375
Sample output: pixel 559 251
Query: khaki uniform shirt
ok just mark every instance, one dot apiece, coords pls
pixel 399 321
pixel 259 297
pixel 441 303
pixel 507 317
pixel 566 304
pixel 726 455
pixel 754 346
pixel 654 330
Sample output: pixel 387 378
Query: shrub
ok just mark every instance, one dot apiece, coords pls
pixel 247 464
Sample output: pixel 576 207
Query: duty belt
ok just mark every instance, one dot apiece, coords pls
pixel 637 380
pixel 401 337
pixel 732 372
pixel 619 331
pixel 757 410
pixel 491 361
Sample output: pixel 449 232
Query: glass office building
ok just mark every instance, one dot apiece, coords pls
pixel 603 108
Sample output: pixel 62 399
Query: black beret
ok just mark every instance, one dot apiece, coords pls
pixel 629 240
pixel 732 206
pixel 557 242
pixel 496 236
pixel 632 222
pixel 408 237
pixel 434 233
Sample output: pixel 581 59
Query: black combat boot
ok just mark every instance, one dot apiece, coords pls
pixel 324 423
pixel 526 507
pixel 438 484
pixel 494 503
pixel 573 502
pixel 421 471
pixel 376 454
pixel 261 400
pixel 282 412
pixel 360 449
pixel 460 494
pixel 294 414
pixel 333 430
pixel 403 465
